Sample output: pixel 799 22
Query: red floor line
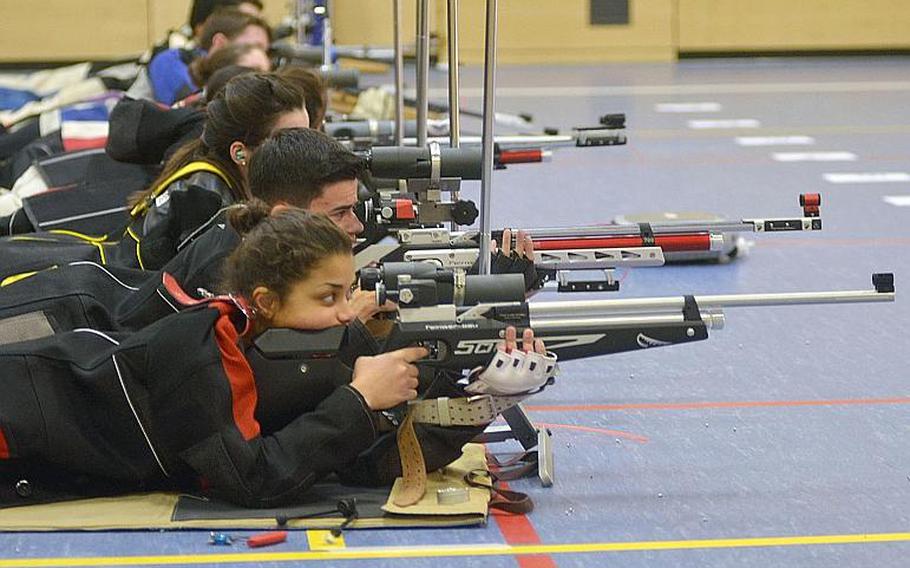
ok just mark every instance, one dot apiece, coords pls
pixel 608 432
pixel 518 530
pixel 719 404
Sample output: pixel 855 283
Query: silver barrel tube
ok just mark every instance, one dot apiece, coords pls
pixel 489 91
pixel 454 115
pixel 399 75
pixel 423 69
pixel 578 325
pixel 659 228
pixel 596 308
pixel 512 140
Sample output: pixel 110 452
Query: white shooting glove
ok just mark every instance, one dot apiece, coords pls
pixel 514 373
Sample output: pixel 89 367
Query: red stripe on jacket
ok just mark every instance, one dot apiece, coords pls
pixel 238 371
pixel 4 447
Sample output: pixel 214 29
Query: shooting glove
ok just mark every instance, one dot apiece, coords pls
pixel 514 373
pixel 514 264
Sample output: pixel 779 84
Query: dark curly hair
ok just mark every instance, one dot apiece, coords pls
pixel 278 249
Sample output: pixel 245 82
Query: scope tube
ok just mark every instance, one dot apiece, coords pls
pixel 401 162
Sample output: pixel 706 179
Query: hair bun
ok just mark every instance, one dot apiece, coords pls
pixel 249 214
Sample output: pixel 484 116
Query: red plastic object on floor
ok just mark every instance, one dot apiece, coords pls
pixel 266 539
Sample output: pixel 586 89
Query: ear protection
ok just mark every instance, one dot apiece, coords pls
pixel 240 154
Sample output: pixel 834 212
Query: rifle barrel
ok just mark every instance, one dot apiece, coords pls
pixel 594 308
pixel 712 320
pixel 509 140
pixel 659 228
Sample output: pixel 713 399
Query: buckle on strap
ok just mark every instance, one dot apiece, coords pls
pixel 464 411
pixel 442 411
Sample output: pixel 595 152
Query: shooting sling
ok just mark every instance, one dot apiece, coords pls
pixel 443 411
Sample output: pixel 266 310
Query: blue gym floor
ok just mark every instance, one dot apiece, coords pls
pixel 780 441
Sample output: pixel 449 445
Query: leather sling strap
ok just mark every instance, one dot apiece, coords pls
pixel 413 466
pixel 443 411
pixel 502 499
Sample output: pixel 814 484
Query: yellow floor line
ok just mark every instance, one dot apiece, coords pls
pixel 457 550
pixel 324 540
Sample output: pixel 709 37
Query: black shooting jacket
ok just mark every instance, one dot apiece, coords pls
pixel 88 293
pixel 186 207
pixel 176 406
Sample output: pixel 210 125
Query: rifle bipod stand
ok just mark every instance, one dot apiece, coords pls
pixel 519 427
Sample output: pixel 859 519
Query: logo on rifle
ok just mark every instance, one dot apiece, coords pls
pixel 476 346
pixel 644 341
pixel 553 342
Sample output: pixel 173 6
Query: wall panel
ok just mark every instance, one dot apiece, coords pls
pixel 543 31
pixel 67 30
pixel 768 25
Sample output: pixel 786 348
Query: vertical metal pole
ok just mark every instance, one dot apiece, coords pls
pixel 399 76
pixel 489 89
pixel 300 10
pixel 454 119
pixel 423 69
pixel 327 38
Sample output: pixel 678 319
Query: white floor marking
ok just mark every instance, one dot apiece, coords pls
pixel 898 200
pixel 687 107
pixel 868 177
pixel 814 156
pixel 775 140
pixel 724 123
pixel 692 89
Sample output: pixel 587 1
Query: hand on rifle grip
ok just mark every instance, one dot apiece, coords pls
pixel 389 379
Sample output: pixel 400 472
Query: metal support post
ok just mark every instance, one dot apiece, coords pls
pixel 489 90
pixel 327 37
pixel 399 76
pixel 423 69
pixel 454 119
